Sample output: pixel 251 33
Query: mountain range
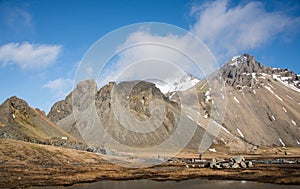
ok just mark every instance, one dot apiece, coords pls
pixel 261 110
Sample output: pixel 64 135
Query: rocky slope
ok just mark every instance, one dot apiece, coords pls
pixel 262 109
pixel 262 103
pixel 125 103
pixel 19 121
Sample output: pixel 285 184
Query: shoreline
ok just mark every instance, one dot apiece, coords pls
pixel 68 176
pixel 26 164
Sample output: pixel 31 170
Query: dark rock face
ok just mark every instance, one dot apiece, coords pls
pixel 140 97
pixel 117 104
pixel 63 108
pixel 241 70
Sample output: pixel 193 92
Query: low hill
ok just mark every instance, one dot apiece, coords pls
pixel 19 121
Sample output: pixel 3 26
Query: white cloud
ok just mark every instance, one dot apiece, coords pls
pixel 231 30
pixel 227 31
pixel 147 55
pixel 29 56
pixel 61 87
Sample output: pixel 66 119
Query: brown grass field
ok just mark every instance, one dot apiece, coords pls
pixel 26 164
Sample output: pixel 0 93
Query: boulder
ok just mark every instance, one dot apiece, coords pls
pixel 213 163
pixel 226 165
pixel 243 164
pixel 250 164
pixel 235 166
pixel 219 160
pixel 238 159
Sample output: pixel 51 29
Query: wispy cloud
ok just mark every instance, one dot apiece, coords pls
pixel 60 87
pixel 19 16
pixel 231 30
pixel 29 56
pixel 16 16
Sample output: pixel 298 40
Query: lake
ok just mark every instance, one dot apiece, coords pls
pixel 187 184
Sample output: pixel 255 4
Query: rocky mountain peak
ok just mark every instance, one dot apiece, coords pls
pixel 246 64
pixel 242 71
pixel 14 106
pixel 19 121
pixel 17 103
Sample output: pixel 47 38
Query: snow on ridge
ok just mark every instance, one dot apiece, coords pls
pixel 224 140
pixel 294 123
pixel 194 81
pixel 289 97
pixel 282 143
pixel 284 109
pixel 240 132
pixel 297 142
pixel 245 73
pixel 190 117
pixel 164 88
pixel 236 99
pixel 278 97
pixel 291 86
pixel 183 82
pixel 212 149
pixel 227 131
pixel 254 76
pixel 207 95
pixel 269 89
pixel 234 58
pixel 271 85
pixel 172 95
pixel 273 117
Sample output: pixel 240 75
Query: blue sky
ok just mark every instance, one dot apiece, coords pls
pixel 42 42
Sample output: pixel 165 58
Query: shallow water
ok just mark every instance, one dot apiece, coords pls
pixel 187 184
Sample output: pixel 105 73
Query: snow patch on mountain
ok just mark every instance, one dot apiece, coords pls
pixel 226 130
pixel 236 99
pixel 212 150
pixel 183 82
pixel 284 109
pixel 289 97
pixel 240 132
pixel 282 143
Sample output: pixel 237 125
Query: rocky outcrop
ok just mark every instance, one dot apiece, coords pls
pixel 242 71
pixel 234 162
pixel 117 104
pixel 63 108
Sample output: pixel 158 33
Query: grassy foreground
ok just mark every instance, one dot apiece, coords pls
pixel 25 164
